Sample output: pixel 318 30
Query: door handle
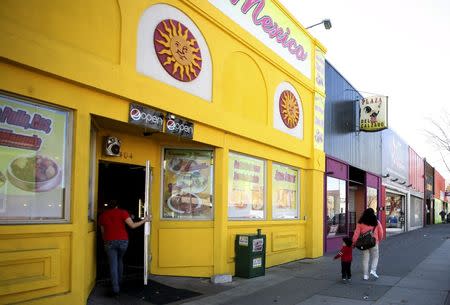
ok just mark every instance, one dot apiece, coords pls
pixel 141 209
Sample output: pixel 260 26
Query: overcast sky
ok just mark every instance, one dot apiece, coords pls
pixel 398 48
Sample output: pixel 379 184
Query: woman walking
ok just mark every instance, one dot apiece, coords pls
pixel 115 237
pixel 369 222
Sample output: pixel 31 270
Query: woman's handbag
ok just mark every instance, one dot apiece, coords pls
pixel 366 240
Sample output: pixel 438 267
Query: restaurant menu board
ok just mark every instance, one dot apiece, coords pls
pixel 246 187
pixel 32 160
pixel 285 196
pixel 188 184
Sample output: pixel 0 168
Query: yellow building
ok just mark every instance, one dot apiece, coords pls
pixel 223 98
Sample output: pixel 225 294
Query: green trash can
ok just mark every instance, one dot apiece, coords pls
pixel 250 259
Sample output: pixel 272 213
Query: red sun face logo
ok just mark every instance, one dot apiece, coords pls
pixel 289 109
pixel 177 50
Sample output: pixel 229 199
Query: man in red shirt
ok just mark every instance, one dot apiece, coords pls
pixel 346 259
pixel 115 237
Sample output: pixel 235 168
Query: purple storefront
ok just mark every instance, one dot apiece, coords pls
pixel 348 192
pixel 353 162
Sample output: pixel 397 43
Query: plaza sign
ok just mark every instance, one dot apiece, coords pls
pixel 373 113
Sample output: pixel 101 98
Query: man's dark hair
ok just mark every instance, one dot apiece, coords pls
pixel 368 218
pixel 114 203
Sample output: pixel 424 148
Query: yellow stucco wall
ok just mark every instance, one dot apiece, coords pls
pixel 87 63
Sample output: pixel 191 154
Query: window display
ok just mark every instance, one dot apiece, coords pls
pixel 395 215
pixel 372 198
pixel 336 207
pixel 416 212
pixel 187 184
pixel 34 149
pixel 246 187
pixel 285 192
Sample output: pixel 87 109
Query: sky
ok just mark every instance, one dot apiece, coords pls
pixel 398 48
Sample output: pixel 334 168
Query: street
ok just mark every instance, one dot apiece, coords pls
pixel 414 269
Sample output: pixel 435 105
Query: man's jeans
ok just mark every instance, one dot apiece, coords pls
pixel 115 249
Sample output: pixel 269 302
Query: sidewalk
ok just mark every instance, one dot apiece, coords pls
pixel 414 269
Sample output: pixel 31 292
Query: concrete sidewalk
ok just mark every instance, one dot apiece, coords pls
pixel 414 269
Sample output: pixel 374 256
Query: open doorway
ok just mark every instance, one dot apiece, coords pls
pixel 356 204
pixel 125 183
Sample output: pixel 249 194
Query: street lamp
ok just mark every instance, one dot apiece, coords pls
pixel 326 23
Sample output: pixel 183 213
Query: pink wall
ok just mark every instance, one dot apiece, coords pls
pixel 416 171
pixel 439 184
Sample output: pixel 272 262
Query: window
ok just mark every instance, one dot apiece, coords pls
pixel 395 216
pixel 246 187
pixel 187 184
pixel 285 192
pixel 336 207
pixel 372 198
pixel 416 212
pixel 35 149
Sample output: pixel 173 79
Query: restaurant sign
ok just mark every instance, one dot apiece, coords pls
pixel 146 117
pixel 179 127
pixel 270 25
pixel 373 114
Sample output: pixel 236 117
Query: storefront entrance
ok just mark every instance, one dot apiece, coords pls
pixel 395 213
pixel 125 183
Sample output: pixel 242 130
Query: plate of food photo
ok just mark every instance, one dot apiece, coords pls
pixel 35 173
pixel 2 179
pixel 191 183
pixel 184 203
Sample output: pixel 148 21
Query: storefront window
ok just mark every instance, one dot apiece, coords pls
pixel 416 212
pixel 372 198
pixel 246 187
pixel 395 215
pixel 285 192
pixel 35 146
pixel 187 184
pixel 336 207
pixel 438 206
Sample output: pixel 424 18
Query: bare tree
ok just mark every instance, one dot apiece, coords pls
pixel 439 134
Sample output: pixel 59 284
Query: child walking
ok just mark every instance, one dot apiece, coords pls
pixel 346 259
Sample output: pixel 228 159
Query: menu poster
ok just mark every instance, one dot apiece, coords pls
pixel 188 184
pixel 32 160
pixel 285 182
pixel 246 187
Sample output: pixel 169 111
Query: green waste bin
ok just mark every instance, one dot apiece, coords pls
pixel 250 259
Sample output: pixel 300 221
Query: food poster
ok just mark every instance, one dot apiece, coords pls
pixel 246 187
pixel 284 192
pixel 32 160
pixel 188 184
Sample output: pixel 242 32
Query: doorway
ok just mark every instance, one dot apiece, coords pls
pixel 125 183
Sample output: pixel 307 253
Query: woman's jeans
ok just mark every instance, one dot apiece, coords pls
pixel 115 249
pixel 373 254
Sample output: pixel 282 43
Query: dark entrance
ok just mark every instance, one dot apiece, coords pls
pixel 125 183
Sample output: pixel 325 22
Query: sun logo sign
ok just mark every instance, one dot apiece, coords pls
pixel 177 50
pixel 289 109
